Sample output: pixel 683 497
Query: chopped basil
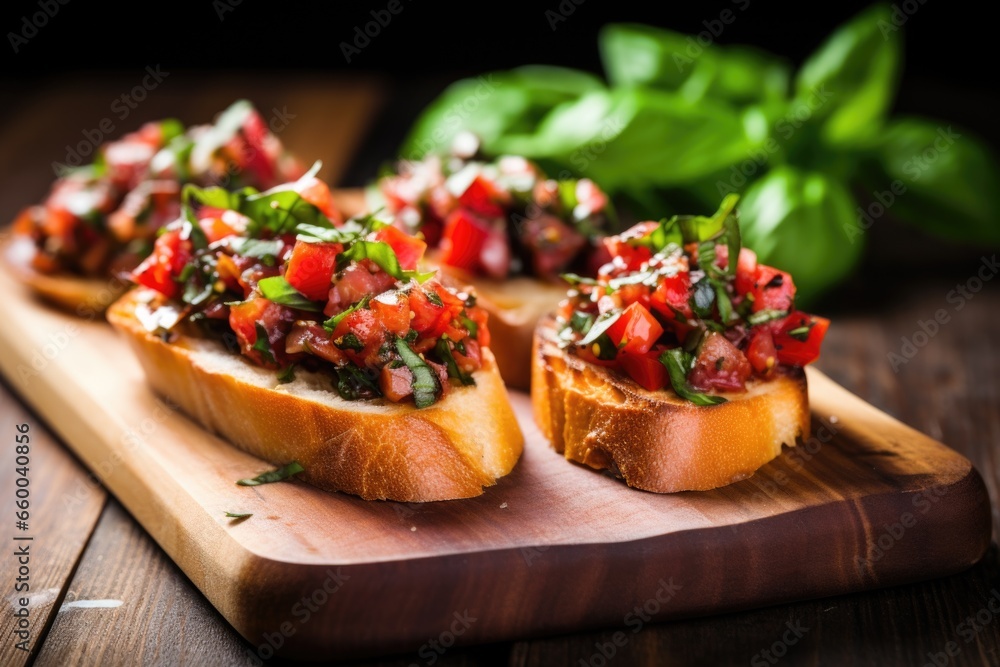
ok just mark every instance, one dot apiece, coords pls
pixel 258 248
pixel 602 324
pixel 678 363
pixel 332 323
pixel 444 351
pixel 801 333
pixel 703 298
pixel 425 381
pixel 581 322
pixel 411 336
pixel 605 348
pixel 239 515
pixel 286 374
pixel 283 473
pixel 277 289
pixel 575 280
pixel 262 344
pixel 354 383
pixel 762 316
pixel 384 256
pixel 724 303
pixel 470 325
pixel 195 293
pixel 435 298
pixel 349 342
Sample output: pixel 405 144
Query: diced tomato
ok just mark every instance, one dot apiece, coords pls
pixel 746 271
pixel 636 330
pixel 409 249
pixel 480 317
pixel 276 321
pixel 624 245
pixel 645 369
pixel 364 324
pixel 484 198
pixel 552 243
pixel 463 241
pixel 761 352
pixel 311 266
pixel 472 359
pixel 473 244
pixel 317 193
pixel 355 283
pixel 429 318
pixel 312 338
pixel 219 225
pixel 256 158
pixel 392 310
pixel 170 255
pixel 798 338
pixel 719 365
pixel 772 290
pixel 396 383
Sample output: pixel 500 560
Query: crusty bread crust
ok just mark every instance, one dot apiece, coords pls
pixel 515 306
pixel 372 449
pixel 655 440
pixel 86 297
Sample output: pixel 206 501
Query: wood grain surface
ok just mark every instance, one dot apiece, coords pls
pixel 949 390
pixel 530 556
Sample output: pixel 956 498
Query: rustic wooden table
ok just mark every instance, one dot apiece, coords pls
pixel 105 594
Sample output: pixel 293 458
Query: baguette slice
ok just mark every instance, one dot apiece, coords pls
pixel 655 440
pixel 85 297
pixel 373 449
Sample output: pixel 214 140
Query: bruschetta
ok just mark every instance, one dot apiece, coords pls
pixel 101 219
pixel 680 366
pixel 300 338
pixel 505 227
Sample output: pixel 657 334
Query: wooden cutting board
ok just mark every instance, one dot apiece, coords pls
pixel 554 547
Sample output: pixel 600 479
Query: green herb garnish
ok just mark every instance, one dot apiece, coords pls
pixel 425 382
pixel 678 363
pixel 271 476
pixel 277 289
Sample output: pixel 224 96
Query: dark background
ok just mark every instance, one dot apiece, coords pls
pixel 950 46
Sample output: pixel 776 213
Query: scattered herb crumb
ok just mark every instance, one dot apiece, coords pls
pixel 270 476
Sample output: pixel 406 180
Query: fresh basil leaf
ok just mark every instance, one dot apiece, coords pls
pixel 804 223
pixel 435 298
pixel 332 323
pixel 639 55
pixel 850 82
pixel 196 293
pixel 425 381
pixel 940 178
pixel 385 257
pixel 600 326
pixel 238 515
pixel 262 344
pixel 277 289
pixel 445 353
pixel 678 363
pixel 281 474
pixel 723 302
pixel 508 104
pixel 704 138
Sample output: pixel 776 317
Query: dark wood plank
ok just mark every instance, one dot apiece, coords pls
pixel 129 604
pixel 64 505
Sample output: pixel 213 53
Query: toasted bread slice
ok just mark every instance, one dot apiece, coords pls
pixel 373 449
pixel 656 440
pixel 86 297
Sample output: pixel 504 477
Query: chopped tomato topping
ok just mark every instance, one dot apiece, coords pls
pixel 636 330
pixel 310 268
pixel 719 365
